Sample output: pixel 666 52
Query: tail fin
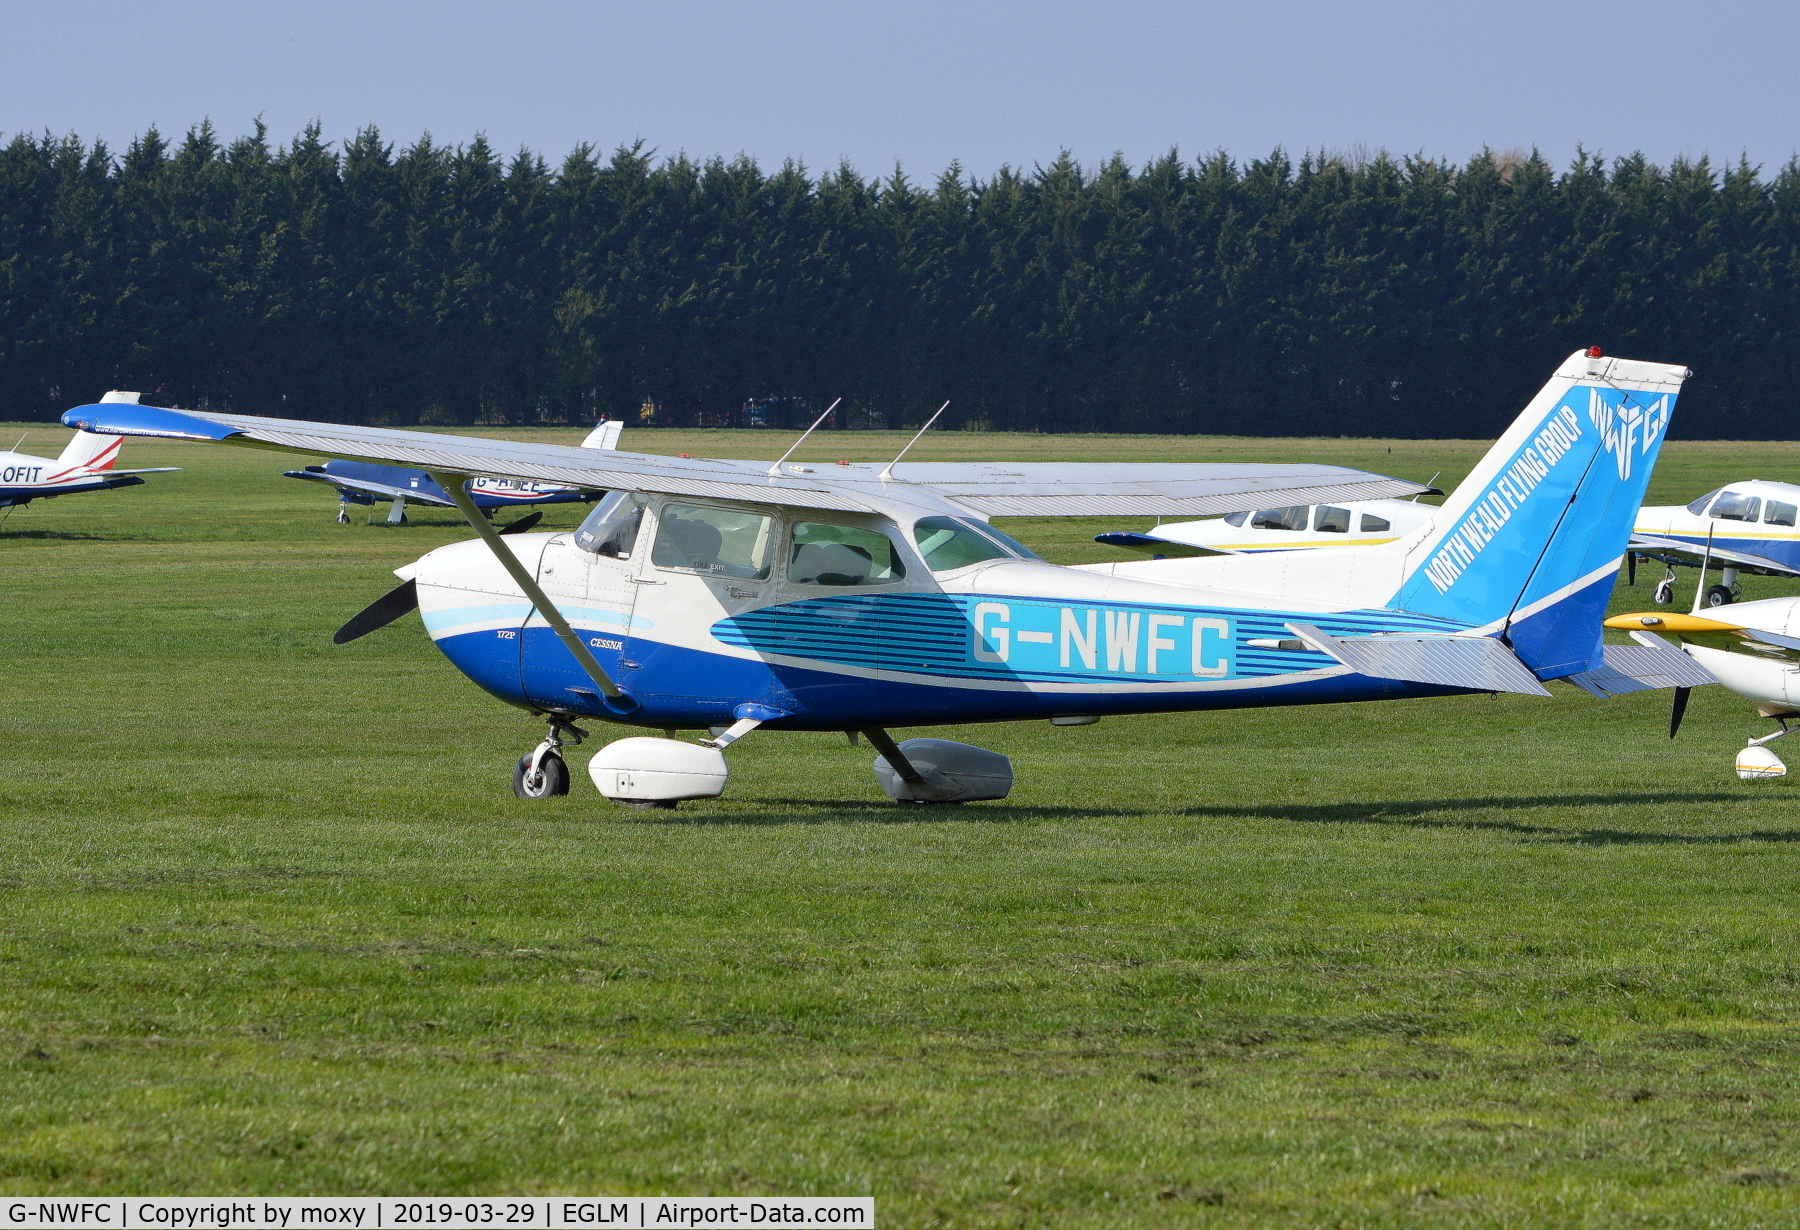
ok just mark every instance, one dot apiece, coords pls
pixel 88 451
pixel 605 434
pixel 1530 542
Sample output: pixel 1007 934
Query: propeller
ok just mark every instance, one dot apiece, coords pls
pixel 1679 710
pixel 379 613
pixel 405 597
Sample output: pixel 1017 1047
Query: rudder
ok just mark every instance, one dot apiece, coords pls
pixel 1529 544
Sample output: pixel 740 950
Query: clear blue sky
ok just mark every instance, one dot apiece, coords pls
pixel 926 82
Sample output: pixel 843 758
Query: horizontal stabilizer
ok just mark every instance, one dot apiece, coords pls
pixel 385 491
pixel 1479 663
pixel 1651 664
pixel 1772 638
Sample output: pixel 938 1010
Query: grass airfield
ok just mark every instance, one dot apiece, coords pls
pixel 274 922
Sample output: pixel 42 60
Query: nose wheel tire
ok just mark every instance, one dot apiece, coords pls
pixel 551 778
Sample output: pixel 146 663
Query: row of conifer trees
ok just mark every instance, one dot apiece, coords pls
pixel 449 284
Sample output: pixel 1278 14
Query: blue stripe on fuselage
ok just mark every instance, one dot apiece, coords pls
pixel 1036 640
pixel 827 700
pixel 1783 551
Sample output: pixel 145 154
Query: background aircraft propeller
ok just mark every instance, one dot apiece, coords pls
pixel 404 597
pixel 1679 710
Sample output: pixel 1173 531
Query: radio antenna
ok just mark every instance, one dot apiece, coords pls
pixel 775 470
pixel 889 472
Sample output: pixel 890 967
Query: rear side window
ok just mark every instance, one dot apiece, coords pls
pixel 1374 525
pixel 1332 520
pixel 1732 506
pixel 720 542
pixel 1778 513
pixel 1294 518
pixel 1235 519
pixel 825 554
pixel 947 543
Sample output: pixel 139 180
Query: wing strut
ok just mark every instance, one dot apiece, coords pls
pixel 453 486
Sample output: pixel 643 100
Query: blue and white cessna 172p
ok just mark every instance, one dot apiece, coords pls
pixel 86 464
pixel 705 593
pixel 362 482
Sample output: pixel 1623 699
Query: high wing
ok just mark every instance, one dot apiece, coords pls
pixel 1055 489
pixel 385 491
pixel 1722 555
pixel 1114 488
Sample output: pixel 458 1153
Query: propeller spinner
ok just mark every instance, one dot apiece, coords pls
pixel 404 597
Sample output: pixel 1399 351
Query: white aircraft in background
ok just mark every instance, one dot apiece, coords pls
pixel 1754 650
pixel 734 595
pixel 1299 527
pixel 86 464
pixel 1742 527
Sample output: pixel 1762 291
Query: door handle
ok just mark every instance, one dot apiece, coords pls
pixel 644 581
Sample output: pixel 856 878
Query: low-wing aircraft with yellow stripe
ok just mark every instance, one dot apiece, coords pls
pixel 736 596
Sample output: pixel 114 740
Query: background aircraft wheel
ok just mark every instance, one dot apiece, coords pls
pixel 343 517
pixel 649 804
pixel 1665 592
pixel 1718 595
pixel 552 777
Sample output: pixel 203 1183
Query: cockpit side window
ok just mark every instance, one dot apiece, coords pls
pixel 1733 506
pixel 1777 513
pixel 1699 506
pixel 612 528
pixel 1292 518
pixel 720 542
pixel 1331 520
pixel 825 554
pixel 948 543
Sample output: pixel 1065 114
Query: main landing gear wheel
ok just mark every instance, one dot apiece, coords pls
pixel 1719 595
pixel 551 777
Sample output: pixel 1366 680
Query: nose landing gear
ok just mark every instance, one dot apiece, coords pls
pixel 544 773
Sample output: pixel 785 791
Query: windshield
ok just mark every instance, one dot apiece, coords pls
pixel 611 529
pixel 1699 505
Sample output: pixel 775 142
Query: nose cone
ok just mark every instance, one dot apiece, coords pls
pixel 471 566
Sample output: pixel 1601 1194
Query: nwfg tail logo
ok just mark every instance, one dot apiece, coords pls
pixel 1627 430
